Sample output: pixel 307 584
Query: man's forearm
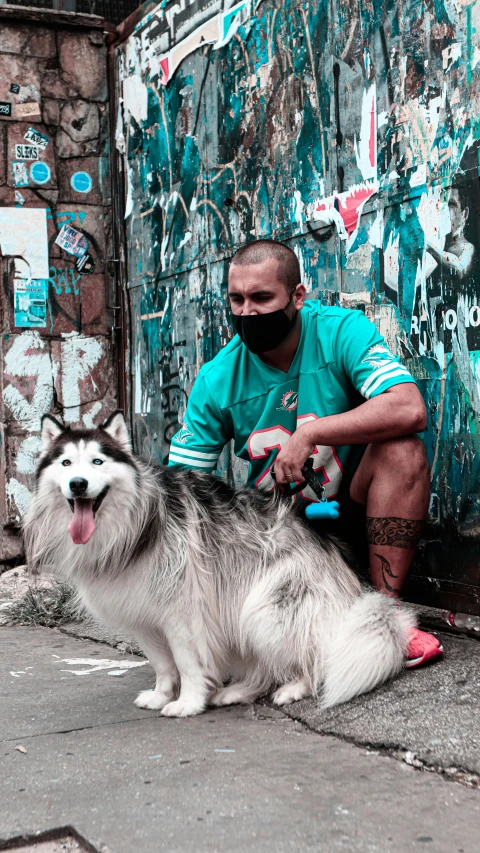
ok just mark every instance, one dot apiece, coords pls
pixel 374 420
pixel 397 412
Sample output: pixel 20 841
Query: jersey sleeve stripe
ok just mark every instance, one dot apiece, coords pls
pixel 386 378
pixel 392 365
pixel 191 462
pixel 198 454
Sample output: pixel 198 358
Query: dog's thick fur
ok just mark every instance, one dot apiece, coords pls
pixel 213 582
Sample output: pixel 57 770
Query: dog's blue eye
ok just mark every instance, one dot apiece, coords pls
pixel 66 462
pixel 98 461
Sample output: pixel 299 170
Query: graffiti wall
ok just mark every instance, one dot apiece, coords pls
pixel 54 241
pixel 350 131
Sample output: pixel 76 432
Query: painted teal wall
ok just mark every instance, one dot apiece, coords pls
pixel 339 128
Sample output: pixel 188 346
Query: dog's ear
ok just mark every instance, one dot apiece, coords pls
pixel 51 429
pixel 116 427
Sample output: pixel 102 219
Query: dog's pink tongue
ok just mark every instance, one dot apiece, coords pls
pixel 82 524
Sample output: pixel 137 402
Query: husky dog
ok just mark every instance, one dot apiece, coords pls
pixel 213 582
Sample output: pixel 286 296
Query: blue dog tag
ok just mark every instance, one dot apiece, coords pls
pixel 323 509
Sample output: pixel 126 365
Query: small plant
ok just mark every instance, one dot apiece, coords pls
pixel 47 607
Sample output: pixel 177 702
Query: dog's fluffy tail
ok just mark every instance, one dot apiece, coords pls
pixel 368 648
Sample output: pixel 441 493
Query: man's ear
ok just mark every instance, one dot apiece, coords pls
pixel 299 296
pixel 116 427
pixel 51 429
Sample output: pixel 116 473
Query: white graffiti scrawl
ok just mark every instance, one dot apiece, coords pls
pixel 31 373
pixel 28 394
pixel 79 357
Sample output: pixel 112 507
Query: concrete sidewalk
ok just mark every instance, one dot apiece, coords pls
pixel 432 713
pixel 230 780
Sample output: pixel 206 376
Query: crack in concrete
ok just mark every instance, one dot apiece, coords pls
pixel 461 775
pixel 453 774
pixel 79 729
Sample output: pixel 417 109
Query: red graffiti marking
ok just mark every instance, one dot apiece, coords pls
pixel 348 205
pixel 165 69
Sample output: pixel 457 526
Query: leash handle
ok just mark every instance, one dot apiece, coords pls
pixel 322 509
pixel 311 480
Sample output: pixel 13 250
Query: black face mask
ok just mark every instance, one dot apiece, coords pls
pixel 263 332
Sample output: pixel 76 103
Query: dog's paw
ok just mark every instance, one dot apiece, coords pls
pixel 230 696
pixel 152 700
pixel 290 693
pixel 182 708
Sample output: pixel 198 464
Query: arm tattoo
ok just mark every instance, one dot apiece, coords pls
pixel 386 570
pixel 397 532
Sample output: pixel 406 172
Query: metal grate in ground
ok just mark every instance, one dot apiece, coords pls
pixel 62 840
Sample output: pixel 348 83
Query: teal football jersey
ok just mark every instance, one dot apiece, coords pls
pixel 341 361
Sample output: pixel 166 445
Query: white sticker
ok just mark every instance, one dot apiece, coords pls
pixel 28 110
pixel 37 138
pixel 72 241
pixel 26 152
pixel 20 174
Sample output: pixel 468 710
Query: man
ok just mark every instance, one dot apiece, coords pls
pixel 458 255
pixel 303 380
pixel 451 276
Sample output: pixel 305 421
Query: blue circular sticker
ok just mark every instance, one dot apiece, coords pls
pixel 40 173
pixel 81 182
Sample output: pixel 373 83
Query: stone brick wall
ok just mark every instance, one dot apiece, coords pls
pixel 56 353
pixel 112 10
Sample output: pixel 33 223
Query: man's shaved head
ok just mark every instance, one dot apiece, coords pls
pixel 288 271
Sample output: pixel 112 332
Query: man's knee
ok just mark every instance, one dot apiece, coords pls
pixel 403 460
pixel 397 449
pixel 406 454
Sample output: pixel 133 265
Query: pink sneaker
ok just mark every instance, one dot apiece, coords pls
pixel 421 648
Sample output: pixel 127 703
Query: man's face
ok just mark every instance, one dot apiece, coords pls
pixel 255 289
pixel 458 217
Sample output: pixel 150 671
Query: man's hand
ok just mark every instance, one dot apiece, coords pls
pixel 292 457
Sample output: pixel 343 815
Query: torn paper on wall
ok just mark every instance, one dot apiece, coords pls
pixel 135 97
pixel 217 30
pixel 23 235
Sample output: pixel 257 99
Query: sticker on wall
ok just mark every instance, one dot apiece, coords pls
pixel 19 197
pixel 40 173
pixel 85 265
pixel 5 109
pixel 30 302
pixel 20 174
pixel 81 182
pixel 15 88
pixel 37 138
pixel 28 110
pixel 72 241
pixel 26 152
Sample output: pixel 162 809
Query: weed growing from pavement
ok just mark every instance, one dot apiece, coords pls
pixel 47 607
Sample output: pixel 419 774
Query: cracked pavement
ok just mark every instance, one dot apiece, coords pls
pixel 235 778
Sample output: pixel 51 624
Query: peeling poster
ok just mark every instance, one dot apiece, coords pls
pixel 30 302
pixel 23 236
